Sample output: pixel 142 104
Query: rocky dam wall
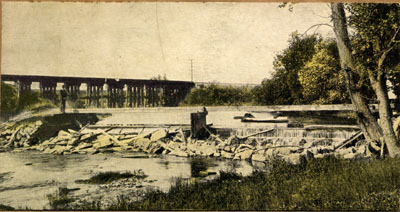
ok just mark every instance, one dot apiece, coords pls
pixel 78 134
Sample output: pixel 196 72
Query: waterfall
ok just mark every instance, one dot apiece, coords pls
pixel 296 134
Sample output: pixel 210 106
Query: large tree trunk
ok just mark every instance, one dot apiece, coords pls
pixel 367 121
pixel 385 113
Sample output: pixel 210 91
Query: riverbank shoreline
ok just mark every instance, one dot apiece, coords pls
pixel 64 135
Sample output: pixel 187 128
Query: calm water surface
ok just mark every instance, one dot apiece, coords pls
pixel 27 177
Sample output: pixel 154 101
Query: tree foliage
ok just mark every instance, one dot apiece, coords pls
pixel 287 64
pixel 215 95
pixel 320 77
pixel 306 72
pixel 371 52
pixel 9 100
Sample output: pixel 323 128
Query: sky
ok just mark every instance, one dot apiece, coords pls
pixel 226 42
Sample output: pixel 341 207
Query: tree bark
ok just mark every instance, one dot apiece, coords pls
pixel 367 121
pixel 385 113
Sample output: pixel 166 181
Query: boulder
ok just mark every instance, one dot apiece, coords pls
pixel 18 136
pixel 38 123
pixel 86 136
pixel 361 150
pixel 72 131
pixel 6 132
pixel 321 155
pixel 62 143
pixel 314 150
pixel 158 150
pixel 285 150
pixel 208 150
pixel 308 144
pixel 157 147
pixel 166 151
pixel 102 142
pixel 307 155
pixel 63 135
pixel 344 151
pixel 251 142
pixel 82 146
pixel 302 142
pixel 47 150
pixel 158 135
pixel 243 147
pixel 226 155
pixel 227 149
pixel 270 153
pixel 244 155
pixel 294 159
pixel 68 148
pixel 117 149
pixel 141 142
pixel 74 141
pixel 221 146
pixel 191 147
pixel 259 156
pixel 349 155
pixel 105 150
pixel 178 153
pixel 59 150
pixel 174 145
pixel 232 140
pixel 178 140
pixel 89 151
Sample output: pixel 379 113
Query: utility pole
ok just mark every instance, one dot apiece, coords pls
pixel 191 69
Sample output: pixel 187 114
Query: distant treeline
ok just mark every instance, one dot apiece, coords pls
pixel 216 95
pixel 11 104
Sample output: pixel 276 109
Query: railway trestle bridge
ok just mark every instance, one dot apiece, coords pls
pixel 107 92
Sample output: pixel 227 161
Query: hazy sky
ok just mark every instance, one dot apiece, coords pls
pixel 228 42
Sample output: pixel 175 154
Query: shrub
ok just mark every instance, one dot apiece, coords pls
pixel 215 95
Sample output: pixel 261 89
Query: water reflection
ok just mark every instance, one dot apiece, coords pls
pixel 199 166
pixel 50 172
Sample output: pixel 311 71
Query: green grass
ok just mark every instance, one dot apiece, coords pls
pixel 320 184
pixel 108 177
pixel 60 200
pixel 6 208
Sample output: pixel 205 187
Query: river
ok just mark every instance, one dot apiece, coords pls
pixel 27 177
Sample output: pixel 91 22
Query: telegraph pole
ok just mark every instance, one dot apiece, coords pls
pixel 191 69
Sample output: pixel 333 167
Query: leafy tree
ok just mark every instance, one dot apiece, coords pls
pixel 273 91
pixel 159 77
pixel 370 53
pixel 217 95
pixel 320 78
pixel 305 73
pixel 9 100
pixel 394 78
pixel 287 64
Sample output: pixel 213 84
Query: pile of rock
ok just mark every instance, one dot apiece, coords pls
pixel 99 141
pixel 175 142
pixel 19 135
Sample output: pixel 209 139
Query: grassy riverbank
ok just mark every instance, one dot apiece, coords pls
pixel 320 184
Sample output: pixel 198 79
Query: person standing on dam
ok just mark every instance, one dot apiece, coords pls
pixel 64 95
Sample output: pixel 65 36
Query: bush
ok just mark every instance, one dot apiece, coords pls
pixel 9 100
pixel 215 95
pixel 11 104
pixel 60 200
